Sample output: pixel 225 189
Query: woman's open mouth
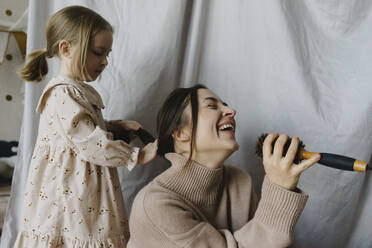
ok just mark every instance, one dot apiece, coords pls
pixel 227 126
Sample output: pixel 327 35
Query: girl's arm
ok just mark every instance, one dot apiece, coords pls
pixel 76 125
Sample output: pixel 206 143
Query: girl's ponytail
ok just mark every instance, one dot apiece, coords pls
pixel 37 66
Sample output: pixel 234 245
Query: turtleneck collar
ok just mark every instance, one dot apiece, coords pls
pixel 193 181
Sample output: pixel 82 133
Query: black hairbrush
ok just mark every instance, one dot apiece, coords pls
pixel 144 136
pixel 141 133
pixel 327 159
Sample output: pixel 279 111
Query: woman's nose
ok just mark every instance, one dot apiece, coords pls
pixel 229 111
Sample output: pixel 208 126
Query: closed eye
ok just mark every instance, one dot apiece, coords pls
pixel 100 54
pixel 212 106
pixel 97 54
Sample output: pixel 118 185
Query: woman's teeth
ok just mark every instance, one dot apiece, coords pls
pixel 226 127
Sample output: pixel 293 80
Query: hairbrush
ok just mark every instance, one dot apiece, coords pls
pixel 145 136
pixel 327 159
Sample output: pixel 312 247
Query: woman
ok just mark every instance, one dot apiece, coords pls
pixel 198 201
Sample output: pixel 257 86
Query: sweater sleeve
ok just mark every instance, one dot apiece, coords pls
pixel 77 127
pixel 275 218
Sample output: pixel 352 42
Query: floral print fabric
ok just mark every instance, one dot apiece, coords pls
pixel 73 196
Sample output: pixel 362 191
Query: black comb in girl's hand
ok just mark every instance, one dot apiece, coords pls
pixel 144 136
pixel 127 136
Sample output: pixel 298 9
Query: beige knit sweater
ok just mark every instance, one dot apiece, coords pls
pixel 194 206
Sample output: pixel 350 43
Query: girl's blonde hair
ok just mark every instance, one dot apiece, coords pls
pixel 75 24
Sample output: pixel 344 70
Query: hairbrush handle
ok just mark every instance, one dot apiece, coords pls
pixel 337 161
pixel 327 159
pixel 144 136
pixel 141 133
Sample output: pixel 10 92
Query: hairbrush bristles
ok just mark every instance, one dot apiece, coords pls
pixel 259 144
pixel 260 141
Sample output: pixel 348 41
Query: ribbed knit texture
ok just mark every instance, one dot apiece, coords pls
pixel 279 207
pixel 193 181
pixel 190 205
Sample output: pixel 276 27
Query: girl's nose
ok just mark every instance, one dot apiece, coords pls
pixel 105 61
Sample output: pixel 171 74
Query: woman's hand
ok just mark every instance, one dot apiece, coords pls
pixel 281 170
pixel 148 153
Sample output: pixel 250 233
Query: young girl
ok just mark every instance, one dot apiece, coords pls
pixel 73 197
pixel 199 202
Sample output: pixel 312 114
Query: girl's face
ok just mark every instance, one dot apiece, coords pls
pixel 98 51
pixel 216 125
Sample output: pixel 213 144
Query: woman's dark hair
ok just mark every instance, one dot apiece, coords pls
pixel 171 117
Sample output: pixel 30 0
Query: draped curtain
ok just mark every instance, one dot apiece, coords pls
pixel 298 67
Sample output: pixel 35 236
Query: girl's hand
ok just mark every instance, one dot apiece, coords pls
pixel 129 125
pixel 123 130
pixel 281 170
pixel 148 152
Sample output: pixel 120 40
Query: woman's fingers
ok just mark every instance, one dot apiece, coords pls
pixel 280 169
pixel 267 145
pixel 292 150
pixel 279 146
pixel 305 164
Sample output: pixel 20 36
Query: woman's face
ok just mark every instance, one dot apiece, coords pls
pixel 216 125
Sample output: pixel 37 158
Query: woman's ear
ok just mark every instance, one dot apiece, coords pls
pixel 65 48
pixel 182 139
pixel 182 135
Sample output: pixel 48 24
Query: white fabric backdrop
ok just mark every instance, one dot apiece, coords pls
pixel 298 67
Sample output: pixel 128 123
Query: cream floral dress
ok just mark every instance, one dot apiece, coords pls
pixel 73 196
